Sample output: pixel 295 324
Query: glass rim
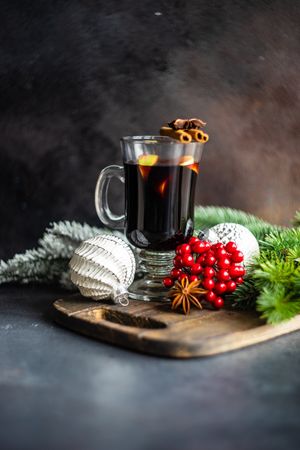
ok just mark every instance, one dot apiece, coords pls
pixel 155 139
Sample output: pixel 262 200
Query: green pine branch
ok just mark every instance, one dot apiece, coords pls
pixel 245 296
pixel 281 242
pixel 275 274
pixel 296 221
pixel 208 216
pixel 278 303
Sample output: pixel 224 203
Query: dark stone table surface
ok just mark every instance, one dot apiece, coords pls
pixel 60 390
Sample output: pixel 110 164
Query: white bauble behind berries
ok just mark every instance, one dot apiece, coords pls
pixel 103 267
pixel 225 232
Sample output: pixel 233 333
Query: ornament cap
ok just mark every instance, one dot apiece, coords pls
pixel 119 294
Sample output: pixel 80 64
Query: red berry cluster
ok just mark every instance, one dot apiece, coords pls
pixel 218 266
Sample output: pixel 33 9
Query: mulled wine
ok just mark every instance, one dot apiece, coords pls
pixel 159 201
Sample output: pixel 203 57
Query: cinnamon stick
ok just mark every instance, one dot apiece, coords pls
pixel 180 135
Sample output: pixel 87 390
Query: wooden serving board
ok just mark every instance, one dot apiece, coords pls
pixel 151 327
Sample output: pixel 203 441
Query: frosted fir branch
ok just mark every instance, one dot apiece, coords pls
pixel 73 230
pixel 48 263
pixel 61 238
pixel 32 266
pixel 68 235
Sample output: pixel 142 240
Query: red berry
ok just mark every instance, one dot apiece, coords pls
pixel 220 253
pixel 193 278
pixel 185 248
pixel 236 271
pixel 177 261
pixel 210 296
pixel 199 247
pixel 237 257
pixel 201 259
pixel 218 303
pixel 231 247
pixel 209 260
pixel 207 245
pixel 230 286
pixel 217 245
pixel 224 263
pixel 220 287
pixel 209 272
pixel 223 275
pixel 239 280
pixel 208 283
pixel 242 272
pixel 196 269
pixel 175 273
pixel 187 260
pixel 182 276
pixel 193 240
pixel 178 250
pixel 168 282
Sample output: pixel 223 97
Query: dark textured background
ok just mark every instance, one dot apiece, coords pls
pixel 77 75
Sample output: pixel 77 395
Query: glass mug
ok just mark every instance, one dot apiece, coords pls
pixel 160 177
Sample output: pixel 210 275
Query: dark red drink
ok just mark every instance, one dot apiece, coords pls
pixel 159 203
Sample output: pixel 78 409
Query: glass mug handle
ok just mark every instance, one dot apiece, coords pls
pixel 107 217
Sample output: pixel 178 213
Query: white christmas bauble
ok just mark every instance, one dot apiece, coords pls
pixel 103 267
pixel 244 239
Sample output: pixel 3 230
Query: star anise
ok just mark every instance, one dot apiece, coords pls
pixel 179 124
pixel 196 123
pixel 187 124
pixel 184 293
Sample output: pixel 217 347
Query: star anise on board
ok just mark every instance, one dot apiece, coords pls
pixel 184 293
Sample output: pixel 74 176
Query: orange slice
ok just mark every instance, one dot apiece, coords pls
pixel 145 163
pixel 188 160
pixel 147 160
